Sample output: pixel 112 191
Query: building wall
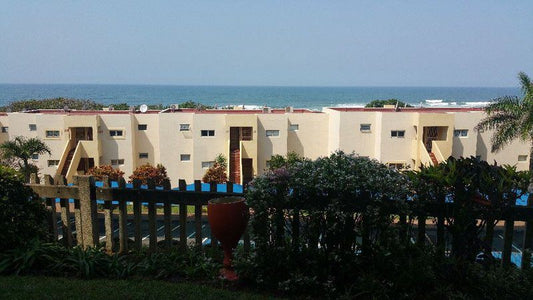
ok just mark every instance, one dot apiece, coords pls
pixel 318 134
pixel 206 148
pixel 173 143
pixel 352 139
pixel 273 145
pixel 397 149
pixel 119 147
pixel 311 138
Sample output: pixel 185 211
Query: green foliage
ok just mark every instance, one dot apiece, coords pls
pixel 120 106
pixel 192 104
pixel 53 103
pixel 21 150
pixel 480 193
pixel 105 170
pixel 510 117
pixel 279 161
pixel 325 193
pixel 52 259
pixel 148 172
pixel 22 215
pixel 381 103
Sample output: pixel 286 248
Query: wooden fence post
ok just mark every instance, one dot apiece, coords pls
pixel 108 218
pixel 137 204
pixel 152 228
pixel 65 213
pixel 507 242
pixel 214 241
pixel 122 218
pixel 51 202
pixel 198 215
pixel 183 216
pixel 87 194
pixel 528 238
pixel 167 218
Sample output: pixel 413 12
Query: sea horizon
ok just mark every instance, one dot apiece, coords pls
pixel 311 97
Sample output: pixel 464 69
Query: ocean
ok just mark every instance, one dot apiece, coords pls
pixel 254 96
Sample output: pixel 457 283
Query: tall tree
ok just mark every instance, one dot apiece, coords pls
pixel 511 118
pixel 22 149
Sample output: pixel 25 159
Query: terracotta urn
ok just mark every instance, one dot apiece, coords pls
pixel 228 218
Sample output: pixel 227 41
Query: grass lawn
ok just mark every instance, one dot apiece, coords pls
pixel 29 287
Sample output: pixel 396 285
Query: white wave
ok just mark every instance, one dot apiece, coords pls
pixel 345 105
pixel 433 101
pixel 476 103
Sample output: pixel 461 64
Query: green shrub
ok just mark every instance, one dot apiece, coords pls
pixel 22 215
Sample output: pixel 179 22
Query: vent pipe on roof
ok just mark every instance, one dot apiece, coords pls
pixel 266 110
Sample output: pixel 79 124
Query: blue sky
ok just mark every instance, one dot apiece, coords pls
pixel 295 43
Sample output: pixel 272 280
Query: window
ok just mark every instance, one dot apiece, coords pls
pixel 364 127
pixel 5 129
pixel 460 132
pixel 294 127
pixel 272 133
pixel 397 133
pixel 522 157
pixel 53 163
pixel 208 133
pixel 246 133
pixel 117 162
pixel 35 156
pixel 33 127
pixel 143 155
pixel 52 133
pixel 185 127
pixel 185 157
pixel 116 132
pixel 142 126
pixel 207 164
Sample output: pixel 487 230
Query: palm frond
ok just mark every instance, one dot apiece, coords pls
pixel 505 134
pixel 525 83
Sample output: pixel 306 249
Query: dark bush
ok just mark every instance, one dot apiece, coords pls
pixel 22 214
pixel 308 222
pixel 329 228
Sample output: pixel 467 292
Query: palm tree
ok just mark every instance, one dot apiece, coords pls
pixel 23 149
pixel 511 118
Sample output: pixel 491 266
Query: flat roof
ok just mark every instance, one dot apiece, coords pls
pixel 255 111
pixel 409 109
pixel 182 110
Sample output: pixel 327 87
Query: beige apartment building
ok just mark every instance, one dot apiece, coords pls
pixel 186 141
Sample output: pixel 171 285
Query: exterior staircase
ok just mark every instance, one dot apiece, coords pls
pixel 433 158
pixel 67 162
pixel 235 166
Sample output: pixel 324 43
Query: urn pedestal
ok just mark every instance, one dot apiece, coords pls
pixel 228 218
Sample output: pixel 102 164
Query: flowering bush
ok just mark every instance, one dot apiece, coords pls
pixel 147 172
pixel 105 170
